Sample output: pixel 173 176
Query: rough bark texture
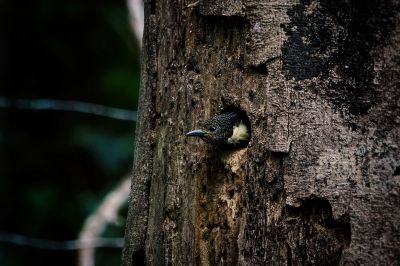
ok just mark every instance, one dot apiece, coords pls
pixel 319 183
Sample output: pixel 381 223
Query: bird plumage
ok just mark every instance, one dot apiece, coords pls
pixel 226 129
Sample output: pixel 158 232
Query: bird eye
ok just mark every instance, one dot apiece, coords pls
pixel 211 128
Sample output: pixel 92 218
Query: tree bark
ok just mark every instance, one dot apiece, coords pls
pixel 318 184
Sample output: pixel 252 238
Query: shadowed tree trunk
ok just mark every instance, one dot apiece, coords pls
pixel 318 184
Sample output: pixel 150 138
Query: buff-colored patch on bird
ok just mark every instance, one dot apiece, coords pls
pixel 240 133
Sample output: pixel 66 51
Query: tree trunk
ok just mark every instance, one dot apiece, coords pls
pixel 318 184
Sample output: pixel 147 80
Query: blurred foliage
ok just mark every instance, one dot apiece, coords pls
pixel 67 49
pixel 56 166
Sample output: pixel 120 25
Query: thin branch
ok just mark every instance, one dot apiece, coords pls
pixel 71 106
pixel 136 11
pixel 106 213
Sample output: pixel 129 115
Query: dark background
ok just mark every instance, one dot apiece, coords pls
pixel 56 166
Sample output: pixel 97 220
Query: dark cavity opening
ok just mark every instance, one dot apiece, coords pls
pixel 397 170
pixel 139 257
pixel 317 210
pixel 153 6
pixel 315 217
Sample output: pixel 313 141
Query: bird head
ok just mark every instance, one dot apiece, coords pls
pixel 226 129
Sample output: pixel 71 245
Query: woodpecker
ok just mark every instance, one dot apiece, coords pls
pixel 229 129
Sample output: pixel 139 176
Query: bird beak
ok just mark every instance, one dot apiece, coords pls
pixel 196 133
